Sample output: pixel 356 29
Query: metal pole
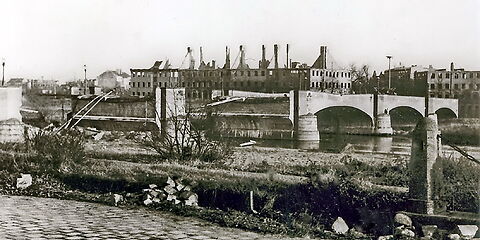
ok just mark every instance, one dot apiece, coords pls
pixel 3 73
pixel 389 73
pixel 85 80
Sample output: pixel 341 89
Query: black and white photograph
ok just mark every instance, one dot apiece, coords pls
pixel 238 120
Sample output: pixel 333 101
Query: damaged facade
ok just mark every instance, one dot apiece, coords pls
pixel 267 77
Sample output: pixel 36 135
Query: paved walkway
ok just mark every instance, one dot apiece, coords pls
pixel 45 218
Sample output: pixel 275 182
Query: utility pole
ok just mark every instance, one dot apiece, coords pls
pixel 389 73
pixel 3 72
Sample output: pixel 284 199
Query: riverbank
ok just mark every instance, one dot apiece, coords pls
pixel 295 192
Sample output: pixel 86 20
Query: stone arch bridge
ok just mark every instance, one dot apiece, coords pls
pixel 304 105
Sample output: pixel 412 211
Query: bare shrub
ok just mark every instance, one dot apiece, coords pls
pixel 55 150
pixel 189 136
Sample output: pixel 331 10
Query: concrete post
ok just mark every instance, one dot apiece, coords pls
pixel 11 127
pixel 425 151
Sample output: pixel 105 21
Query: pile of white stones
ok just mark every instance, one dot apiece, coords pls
pixel 175 191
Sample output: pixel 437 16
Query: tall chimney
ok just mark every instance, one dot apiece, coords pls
pixel 192 61
pixel 452 68
pixel 287 66
pixel 323 57
pixel 275 53
pixel 201 55
pixel 227 58
pixel 263 53
pixel 213 64
pixel 242 57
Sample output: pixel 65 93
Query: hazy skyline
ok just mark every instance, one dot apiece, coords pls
pixel 55 38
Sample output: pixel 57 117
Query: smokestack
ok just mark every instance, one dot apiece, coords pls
pixel 287 66
pixel 192 61
pixel 323 57
pixel 213 64
pixel 242 57
pixel 263 53
pixel 452 68
pixel 201 55
pixel 275 53
pixel 227 58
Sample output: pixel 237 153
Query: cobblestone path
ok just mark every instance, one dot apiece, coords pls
pixel 45 218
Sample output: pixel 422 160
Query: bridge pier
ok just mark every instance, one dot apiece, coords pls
pixel 11 126
pixel 383 124
pixel 307 128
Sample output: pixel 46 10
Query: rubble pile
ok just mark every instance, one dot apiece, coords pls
pixel 175 190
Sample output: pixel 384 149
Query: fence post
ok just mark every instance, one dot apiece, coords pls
pixel 423 166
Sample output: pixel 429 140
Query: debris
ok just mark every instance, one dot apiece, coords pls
pixel 386 237
pixel 249 143
pixel 171 197
pixel 180 186
pixel 468 231
pixel 117 199
pixel 454 236
pixel 340 226
pixel 429 230
pixel 169 189
pixel 147 201
pixel 170 182
pixel 402 232
pixel 402 219
pixel 98 136
pixel 192 200
pixel 174 191
pixel 24 181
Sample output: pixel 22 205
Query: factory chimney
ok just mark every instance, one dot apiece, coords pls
pixel 275 54
pixel 201 55
pixel 227 58
pixel 192 60
pixel 287 66
pixel 242 57
pixel 452 67
pixel 323 57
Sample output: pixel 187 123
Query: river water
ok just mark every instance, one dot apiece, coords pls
pixel 390 145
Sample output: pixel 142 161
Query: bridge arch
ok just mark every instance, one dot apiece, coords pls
pixel 339 119
pixel 404 116
pixel 445 113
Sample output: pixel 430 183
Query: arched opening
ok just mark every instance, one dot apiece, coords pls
pixel 404 118
pixel 445 113
pixel 343 119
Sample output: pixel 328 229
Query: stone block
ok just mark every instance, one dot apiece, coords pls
pixel 340 226
pixel 429 230
pixel 468 231
pixel 24 182
pixel 402 219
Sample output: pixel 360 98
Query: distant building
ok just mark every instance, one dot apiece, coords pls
pixel 443 83
pixel 144 81
pixel 82 87
pixel 469 104
pixel 16 82
pixel 199 83
pixel 110 80
pixel 329 80
pixel 402 80
pixel 43 87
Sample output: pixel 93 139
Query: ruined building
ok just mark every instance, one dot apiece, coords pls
pixel 267 77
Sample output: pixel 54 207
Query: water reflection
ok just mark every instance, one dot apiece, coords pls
pixel 361 143
pixel 337 142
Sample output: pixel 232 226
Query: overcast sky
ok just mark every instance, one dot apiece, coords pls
pixel 55 38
